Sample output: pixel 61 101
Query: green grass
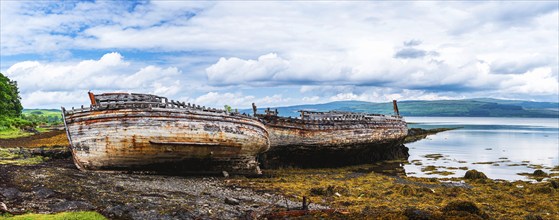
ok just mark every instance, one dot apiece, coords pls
pixel 11 127
pixel 57 216
pixel 46 112
pixel 13 133
pixel 43 116
pixel 7 157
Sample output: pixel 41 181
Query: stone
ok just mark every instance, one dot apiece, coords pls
pixel 71 206
pixel 231 201
pixel 554 184
pixel 455 207
pixel 474 175
pixel 539 173
pixel 225 174
pixel 3 207
pixel 10 193
pixel 43 193
pixel 414 213
pixel 119 212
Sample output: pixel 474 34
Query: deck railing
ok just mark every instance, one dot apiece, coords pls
pixel 114 101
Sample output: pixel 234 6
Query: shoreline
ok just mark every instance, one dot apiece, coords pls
pixel 353 192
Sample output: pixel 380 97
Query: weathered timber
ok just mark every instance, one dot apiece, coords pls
pixel 129 132
pixel 334 137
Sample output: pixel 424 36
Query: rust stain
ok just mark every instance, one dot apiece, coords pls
pixel 332 129
pixel 127 133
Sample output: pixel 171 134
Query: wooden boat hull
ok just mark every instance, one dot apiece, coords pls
pixel 333 143
pixel 167 140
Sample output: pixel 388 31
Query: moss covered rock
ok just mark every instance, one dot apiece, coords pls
pixel 474 175
pixel 464 209
pixel 539 173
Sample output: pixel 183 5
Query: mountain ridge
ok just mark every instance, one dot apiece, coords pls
pixel 479 107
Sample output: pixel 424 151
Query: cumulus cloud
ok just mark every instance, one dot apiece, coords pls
pixel 537 81
pixel 348 47
pixel 41 83
pixel 518 63
pixel 235 70
pixel 239 100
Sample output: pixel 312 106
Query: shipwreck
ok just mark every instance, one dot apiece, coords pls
pixel 143 132
pixel 333 138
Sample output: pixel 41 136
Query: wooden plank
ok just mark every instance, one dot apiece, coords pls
pixel 184 143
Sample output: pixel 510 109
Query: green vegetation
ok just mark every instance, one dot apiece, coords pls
pixel 16 122
pixel 11 127
pixel 43 117
pixel 8 156
pixel 10 104
pixel 10 109
pixel 57 216
pixel 228 108
pixel 375 196
pixel 449 108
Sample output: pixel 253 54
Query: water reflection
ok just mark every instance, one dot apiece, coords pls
pixel 499 147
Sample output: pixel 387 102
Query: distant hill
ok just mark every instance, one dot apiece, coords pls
pixel 48 112
pixel 482 107
pixel 451 108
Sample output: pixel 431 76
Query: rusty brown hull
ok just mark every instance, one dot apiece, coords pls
pixel 334 142
pixel 175 140
pixel 334 134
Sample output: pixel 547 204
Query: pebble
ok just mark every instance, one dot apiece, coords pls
pixel 225 174
pixel 10 193
pixel 3 207
pixel 232 201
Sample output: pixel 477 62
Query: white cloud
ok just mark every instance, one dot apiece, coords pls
pixel 235 70
pixel 334 50
pixel 239 100
pixel 538 81
pixel 387 95
pixel 40 82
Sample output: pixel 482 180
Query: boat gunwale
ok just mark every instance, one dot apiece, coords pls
pixel 87 116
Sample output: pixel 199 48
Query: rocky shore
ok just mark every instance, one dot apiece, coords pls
pixel 43 179
pixel 56 186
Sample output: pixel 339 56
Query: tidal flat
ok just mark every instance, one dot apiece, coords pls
pixel 355 192
pixel 383 190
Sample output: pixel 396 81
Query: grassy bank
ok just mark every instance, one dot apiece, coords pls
pixel 57 216
pixel 31 122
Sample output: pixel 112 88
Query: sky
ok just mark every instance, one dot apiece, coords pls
pixel 280 53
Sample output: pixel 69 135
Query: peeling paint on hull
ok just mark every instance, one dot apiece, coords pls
pixel 347 139
pixel 167 140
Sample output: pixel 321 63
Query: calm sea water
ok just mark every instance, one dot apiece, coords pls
pixel 504 146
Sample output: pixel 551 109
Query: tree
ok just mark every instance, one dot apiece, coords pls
pixel 10 102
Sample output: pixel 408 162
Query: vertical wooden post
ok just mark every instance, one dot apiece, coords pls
pixel 396 107
pixel 305 204
pixel 92 98
pixel 253 109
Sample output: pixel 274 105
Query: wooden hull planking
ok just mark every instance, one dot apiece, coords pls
pixel 165 138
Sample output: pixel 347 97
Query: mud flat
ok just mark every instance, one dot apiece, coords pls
pixel 56 186
pixel 356 192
